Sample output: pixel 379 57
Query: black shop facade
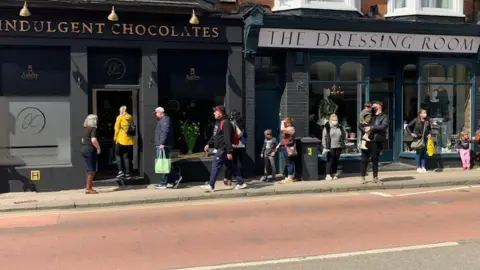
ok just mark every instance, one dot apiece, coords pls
pixel 312 67
pixel 58 67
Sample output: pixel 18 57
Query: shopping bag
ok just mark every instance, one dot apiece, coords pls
pixel 163 164
pixel 430 147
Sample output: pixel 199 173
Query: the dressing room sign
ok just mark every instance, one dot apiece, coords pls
pixel 313 39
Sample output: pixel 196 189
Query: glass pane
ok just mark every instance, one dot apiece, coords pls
pixel 410 74
pixel 448 107
pixel 324 1
pixel 351 71
pixel 459 74
pixel 322 71
pixel 267 72
pixel 437 3
pixel 432 73
pixel 400 3
pixel 38 133
pixel 410 109
pixel 326 99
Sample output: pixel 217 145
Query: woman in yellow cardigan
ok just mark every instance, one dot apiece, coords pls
pixel 123 144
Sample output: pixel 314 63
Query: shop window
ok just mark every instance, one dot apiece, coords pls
pixel 188 92
pixel 36 131
pixel 352 5
pixel 410 102
pixel 339 95
pixel 450 8
pixel 445 94
pixel 31 71
pixel 268 72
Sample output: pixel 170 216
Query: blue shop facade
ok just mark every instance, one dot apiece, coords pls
pixel 310 67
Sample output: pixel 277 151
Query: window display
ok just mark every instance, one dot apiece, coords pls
pixel 331 96
pixel 445 95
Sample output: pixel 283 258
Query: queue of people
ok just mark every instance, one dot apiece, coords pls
pixel 229 139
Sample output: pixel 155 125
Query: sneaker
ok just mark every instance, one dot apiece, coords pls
pixel 128 177
pixel 335 177
pixel 424 170
pixel 242 186
pixel 328 177
pixel 227 182
pixel 376 180
pixel 271 179
pixel 169 185
pixel 160 187
pixel 287 180
pixel 207 188
pixel 264 178
pixel 419 170
pixel 120 174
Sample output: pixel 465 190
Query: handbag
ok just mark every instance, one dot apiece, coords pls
pixel 292 150
pixel 163 164
pixel 419 143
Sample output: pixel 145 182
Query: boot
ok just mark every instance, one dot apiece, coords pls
pixel 89 189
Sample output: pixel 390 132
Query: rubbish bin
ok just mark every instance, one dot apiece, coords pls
pixel 308 158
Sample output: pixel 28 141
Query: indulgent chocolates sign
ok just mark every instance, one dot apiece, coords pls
pixel 101 28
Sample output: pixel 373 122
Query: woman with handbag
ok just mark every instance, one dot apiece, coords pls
pixel 124 138
pixel 420 129
pixel 288 148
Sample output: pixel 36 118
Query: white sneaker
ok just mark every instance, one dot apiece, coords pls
pixel 419 170
pixel 207 188
pixel 242 186
pixel 335 177
pixel 328 177
pixel 424 170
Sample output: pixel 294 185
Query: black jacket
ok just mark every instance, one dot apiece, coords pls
pixel 379 127
pixel 164 132
pixel 416 127
pixel 222 135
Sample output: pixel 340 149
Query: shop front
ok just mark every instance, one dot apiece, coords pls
pixel 58 66
pixel 319 66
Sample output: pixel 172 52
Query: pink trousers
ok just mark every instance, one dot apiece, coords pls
pixel 465 156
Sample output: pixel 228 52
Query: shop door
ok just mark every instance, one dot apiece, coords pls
pixel 382 90
pixel 106 104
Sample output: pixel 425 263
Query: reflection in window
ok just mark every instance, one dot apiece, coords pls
pixel 447 101
pixel 437 3
pixel 336 97
pixel 36 131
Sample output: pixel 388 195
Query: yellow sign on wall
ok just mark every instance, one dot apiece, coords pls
pixel 35 175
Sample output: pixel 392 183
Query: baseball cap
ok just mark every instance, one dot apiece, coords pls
pixel 159 109
pixel 219 108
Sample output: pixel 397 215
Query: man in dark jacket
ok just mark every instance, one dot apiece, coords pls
pixel 163 140
pixel 378 128
pixel 221 141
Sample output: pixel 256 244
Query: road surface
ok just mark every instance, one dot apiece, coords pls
pixel 394 229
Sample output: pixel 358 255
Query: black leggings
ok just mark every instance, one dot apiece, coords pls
pixel 237 161
pixel 123 157
pixel 332 160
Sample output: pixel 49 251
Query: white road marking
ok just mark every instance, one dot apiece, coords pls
pixel 433 191
pixel 381 194
pixel 323 257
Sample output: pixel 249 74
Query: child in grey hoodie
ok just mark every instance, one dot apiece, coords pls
pixel 268 154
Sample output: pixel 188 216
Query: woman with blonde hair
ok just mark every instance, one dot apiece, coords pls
pixel 90 150
pixel 124 139
pixel 333 142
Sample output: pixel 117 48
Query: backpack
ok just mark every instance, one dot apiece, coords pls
pixel 236 135
pixel 131 129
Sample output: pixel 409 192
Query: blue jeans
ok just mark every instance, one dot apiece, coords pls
pixel 219 160
pixel 420 157
pixel 91 160
pixel 288 161
pixel 163 177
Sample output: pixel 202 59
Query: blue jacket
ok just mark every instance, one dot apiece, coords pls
pixel 164 132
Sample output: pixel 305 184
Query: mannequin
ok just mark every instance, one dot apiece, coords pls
pixel 326 107
pixel 435 108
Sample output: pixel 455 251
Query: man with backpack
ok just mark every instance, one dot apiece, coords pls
pixel 221 141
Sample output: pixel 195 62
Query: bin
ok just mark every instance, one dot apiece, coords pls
pixel 308 158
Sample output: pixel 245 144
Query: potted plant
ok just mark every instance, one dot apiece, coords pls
pixel 190 132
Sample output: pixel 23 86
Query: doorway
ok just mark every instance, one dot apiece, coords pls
pixel 106 104
pixel 382 89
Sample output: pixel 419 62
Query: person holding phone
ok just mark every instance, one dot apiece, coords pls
pixel 287 147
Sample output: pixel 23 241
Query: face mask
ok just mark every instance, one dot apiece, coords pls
pixel 268 136
pixel 334 122
pixel 424 115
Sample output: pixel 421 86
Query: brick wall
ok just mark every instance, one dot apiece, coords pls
pixel 267 4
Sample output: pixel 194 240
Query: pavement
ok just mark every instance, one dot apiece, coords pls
pixel 114 196
pixel 422 228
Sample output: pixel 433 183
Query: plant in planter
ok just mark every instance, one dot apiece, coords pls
pixel 190 132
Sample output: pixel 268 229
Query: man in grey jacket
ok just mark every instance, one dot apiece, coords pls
pixel 163 140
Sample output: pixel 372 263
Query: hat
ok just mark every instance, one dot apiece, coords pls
pixel 159 109
pixel 219 108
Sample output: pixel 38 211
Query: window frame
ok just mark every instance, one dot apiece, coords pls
pixel 365 83
pixel 414 7
pixel 346 5
pixel 419 84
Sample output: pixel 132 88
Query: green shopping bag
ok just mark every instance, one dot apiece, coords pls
pixel 163 164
